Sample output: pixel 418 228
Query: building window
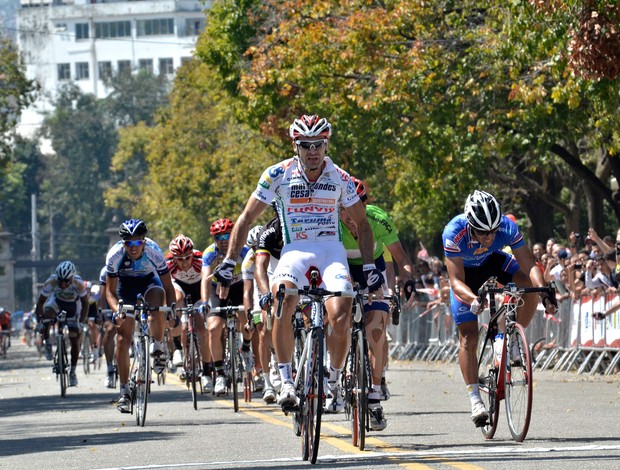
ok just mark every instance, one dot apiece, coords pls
pixel 124 66
pixel 105 70
pixel 166 67
pixel 158 27
pixel 81 70
pixel 81 31
pixel 113 29
pixel 146 65
pixel 64 72
pixel 193 26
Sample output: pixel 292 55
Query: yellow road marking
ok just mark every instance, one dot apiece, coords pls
pixel 338 442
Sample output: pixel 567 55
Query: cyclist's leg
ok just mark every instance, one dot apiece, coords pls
pixel 283 342
pixel 215 327
pixel 155 296
pixel 264 352
pixel 376 324
pixel 109 332
pixel 124 339
pixel 179 333
pixel 50 311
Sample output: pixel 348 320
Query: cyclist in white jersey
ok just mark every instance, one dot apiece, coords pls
pixel 308 191
pixel 64 290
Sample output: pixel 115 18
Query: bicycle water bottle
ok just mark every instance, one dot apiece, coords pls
pixel 498 344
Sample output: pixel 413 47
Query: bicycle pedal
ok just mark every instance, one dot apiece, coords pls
pixel 482 423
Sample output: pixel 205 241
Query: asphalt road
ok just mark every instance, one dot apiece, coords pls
pixel 576 425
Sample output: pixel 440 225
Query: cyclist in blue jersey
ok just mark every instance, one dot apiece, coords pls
pixel 137 266
pixel 473 243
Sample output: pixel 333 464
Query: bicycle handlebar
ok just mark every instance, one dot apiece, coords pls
pixel 490 287
pixel 227 309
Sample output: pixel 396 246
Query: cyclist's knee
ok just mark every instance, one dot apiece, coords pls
pixel 155 296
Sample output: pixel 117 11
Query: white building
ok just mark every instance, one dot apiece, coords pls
pixel 65 40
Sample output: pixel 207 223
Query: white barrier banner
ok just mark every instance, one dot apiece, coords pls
pixel 598 326
pixel 613 322
pixel 587 332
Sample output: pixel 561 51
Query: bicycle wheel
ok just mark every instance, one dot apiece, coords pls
pixel 192 363
pixel 487 376
pixel 86 353
pixel 313 403
pixel 142 380
pixel 519 392
pixel 359 415
pixel 232 366
pixel 62 364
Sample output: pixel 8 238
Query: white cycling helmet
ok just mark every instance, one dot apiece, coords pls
pixel 65 271
pixel 310 126
pixel 252 240
pixel 482 211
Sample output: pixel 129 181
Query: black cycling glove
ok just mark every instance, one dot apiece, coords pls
pixel 374 278
pixel 410 289
pixel 224 272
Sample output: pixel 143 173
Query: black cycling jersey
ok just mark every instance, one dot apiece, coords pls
pixel 270 238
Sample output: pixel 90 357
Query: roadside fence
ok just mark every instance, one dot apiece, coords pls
pixel 580 338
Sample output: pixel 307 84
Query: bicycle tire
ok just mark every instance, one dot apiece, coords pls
pixel 232 366
pixel 311 424
pixel 299 374
pixel 62 365
pixel 143 379
pixel 86 353
pixel 191 372
pixel 519 390
pixel 360 393
pixel 487 377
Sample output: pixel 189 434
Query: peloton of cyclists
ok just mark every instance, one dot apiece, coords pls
pixel 308 190
pixel 473 243
pixel 137 266
pixel 211 292
pixel 63 290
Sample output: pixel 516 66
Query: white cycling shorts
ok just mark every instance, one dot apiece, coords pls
pixel 298 259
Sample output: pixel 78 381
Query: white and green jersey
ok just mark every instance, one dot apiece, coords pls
pixel 309 211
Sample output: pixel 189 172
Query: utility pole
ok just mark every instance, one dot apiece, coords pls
pixel 34 252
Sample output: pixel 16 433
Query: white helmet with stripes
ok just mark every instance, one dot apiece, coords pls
pixel 482 211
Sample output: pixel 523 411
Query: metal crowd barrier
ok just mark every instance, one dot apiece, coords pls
pixel 579 338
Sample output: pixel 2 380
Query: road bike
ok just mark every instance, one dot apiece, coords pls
pixel 508 377
pixel 61 361
pixel 357 377
pixel 192 362
pixel 232 357
pixel 140 375
pixel 310 378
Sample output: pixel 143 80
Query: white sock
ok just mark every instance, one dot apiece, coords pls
pixel 286 371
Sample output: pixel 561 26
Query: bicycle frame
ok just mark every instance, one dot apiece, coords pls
pixel 232 355
pixel 310 379
pixel 61 361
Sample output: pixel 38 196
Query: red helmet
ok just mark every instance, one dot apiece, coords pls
pixel 310 126
pixel 181 246
pixel 360 188
pixel 221 226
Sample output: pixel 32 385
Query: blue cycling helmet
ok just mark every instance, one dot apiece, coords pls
pixel 132 228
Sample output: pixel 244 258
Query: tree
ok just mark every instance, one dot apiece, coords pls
pixel 197 163
pixel 16 93
pixel 83 136
pixel 431 100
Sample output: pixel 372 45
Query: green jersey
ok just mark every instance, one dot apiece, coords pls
pixel 383 231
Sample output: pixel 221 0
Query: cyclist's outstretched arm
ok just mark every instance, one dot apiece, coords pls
pixel 528 265
pixel 110 293
pixel 253 209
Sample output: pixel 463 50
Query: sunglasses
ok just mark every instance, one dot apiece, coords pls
pixel 183 258
pixel 485 233
pixel 133 243
pixel 222 236
pixel 64 281
pixel 317 144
